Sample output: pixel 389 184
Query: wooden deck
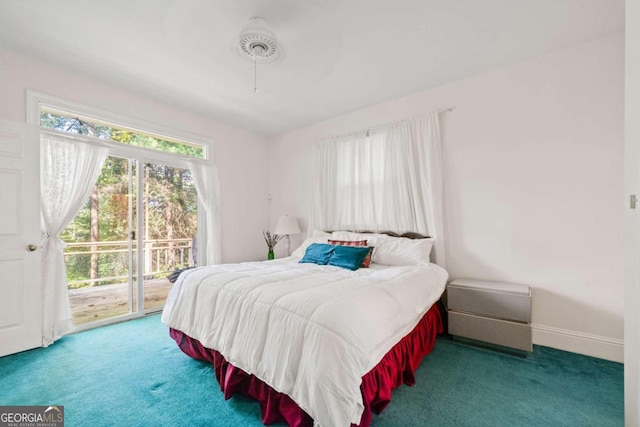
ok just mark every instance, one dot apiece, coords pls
pixel 102 302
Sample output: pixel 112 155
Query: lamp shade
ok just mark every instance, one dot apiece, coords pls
pixel 287 225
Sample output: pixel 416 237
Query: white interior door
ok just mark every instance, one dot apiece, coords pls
pixel 20 293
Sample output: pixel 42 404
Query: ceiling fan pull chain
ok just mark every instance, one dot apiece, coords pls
pixel 255 74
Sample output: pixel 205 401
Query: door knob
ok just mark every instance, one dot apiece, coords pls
pixel 31 247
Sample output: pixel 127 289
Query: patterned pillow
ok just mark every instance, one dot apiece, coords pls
pixel 367 259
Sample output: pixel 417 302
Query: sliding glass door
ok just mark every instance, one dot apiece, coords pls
pixel 170 222
pixel 138 226
pixel 140 223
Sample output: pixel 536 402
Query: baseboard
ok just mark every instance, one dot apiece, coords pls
pixel 579 342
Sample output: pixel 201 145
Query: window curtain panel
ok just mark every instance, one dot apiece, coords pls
pixel 69 170
pixel 205 176
pixel 389 178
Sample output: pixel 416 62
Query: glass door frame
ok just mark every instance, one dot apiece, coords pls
pixel 136 273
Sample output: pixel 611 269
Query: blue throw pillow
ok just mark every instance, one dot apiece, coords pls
pixel 317 253
pixel 349 257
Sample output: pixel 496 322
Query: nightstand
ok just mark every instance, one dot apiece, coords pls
pixel 494 312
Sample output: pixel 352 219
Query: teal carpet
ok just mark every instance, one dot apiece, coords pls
pixel 133 374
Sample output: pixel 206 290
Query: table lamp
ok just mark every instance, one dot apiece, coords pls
pixel 287 226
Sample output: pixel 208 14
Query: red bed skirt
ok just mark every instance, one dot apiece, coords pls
pixel 397 367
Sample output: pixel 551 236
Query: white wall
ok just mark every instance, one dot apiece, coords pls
pixel 533 184
pixel 244 205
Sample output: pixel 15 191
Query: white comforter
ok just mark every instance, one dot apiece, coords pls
pixel 308 331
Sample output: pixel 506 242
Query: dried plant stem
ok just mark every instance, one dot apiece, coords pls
pixel 271 239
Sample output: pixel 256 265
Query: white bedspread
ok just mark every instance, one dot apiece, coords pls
pixel 308 331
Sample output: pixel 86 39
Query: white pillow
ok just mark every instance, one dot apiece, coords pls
pixel 318 237
pixel 319 233
pixel 402 251
pixel 344 235
pixel 372 239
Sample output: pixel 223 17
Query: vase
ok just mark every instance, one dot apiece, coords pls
pixel 270 254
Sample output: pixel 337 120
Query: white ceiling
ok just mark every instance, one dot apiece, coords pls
pixel 338 55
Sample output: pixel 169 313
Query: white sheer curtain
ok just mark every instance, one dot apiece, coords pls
pixel 387 179
pixel 205 176
pixel 69 169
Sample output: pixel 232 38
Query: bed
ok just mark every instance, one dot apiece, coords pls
pixel 314 344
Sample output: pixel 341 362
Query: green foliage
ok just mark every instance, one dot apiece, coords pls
pixel 76 125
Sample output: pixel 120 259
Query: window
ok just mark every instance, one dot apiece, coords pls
pixel 387 179
pixel 142 220
pixel 73 123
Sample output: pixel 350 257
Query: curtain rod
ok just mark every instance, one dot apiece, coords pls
pixel 368 131
pixel 84 138
pixel 442 110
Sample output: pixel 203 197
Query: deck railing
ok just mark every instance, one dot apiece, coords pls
pixel 111 260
